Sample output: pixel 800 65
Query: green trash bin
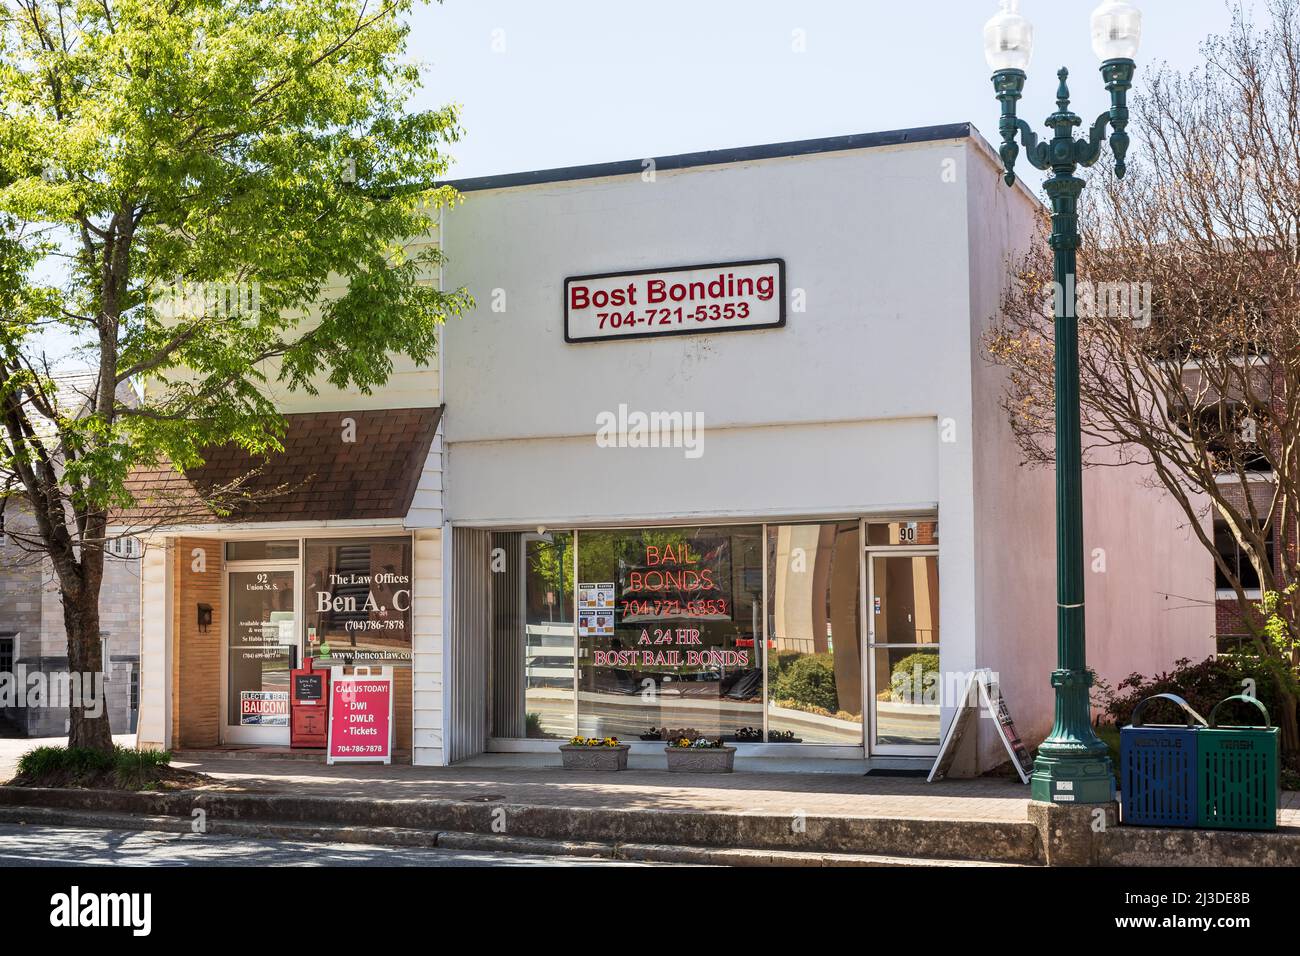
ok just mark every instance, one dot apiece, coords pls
pixel 1237 782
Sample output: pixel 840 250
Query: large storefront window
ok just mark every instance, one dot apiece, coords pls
pixel 358 600
pixel 669 631
pixel 814 656
pixel 628 631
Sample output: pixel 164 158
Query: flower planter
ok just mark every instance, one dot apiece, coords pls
pixel 701 759
pixel 594 758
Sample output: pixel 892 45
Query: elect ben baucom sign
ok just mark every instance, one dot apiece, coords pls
pixel 729 296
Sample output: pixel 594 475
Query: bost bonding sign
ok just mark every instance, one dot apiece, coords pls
pixel 687 301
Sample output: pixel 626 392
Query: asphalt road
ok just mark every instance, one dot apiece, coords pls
pixel 25 846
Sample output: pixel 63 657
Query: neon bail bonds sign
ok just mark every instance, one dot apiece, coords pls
pixel 727 297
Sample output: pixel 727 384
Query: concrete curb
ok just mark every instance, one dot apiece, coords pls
pixel 1055 835
pixel 1091 835
pixel 488 842
pixel 936 840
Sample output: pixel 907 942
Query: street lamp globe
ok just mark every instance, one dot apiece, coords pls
pixel 1116 30
pixel 1008 39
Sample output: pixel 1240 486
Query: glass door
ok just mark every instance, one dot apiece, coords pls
pixel 262 648
pixel 903 637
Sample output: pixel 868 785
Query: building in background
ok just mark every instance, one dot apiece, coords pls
pixel 33 640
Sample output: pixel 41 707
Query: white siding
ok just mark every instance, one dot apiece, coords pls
pixel 155 636
pixel 427 650
pixel 426 506
pixel 409 386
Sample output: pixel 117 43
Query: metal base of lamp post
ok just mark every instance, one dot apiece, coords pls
pixel 1081 777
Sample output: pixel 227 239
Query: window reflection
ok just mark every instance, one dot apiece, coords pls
pixel 905 634
pixel 903 534
pixel 660 629
pixel 814 645
pixel 532 635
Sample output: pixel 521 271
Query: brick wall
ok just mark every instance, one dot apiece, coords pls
pixel 196 655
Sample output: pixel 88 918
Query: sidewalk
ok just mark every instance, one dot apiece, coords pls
pixel 815 794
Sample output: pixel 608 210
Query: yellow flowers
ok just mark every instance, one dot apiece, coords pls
pixel 593 741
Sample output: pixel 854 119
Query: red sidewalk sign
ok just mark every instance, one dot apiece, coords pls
pixel 361 716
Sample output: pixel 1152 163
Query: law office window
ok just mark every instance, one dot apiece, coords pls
pixel 1237 559
pixel 814 654
pixel 357 600
pixel 670 631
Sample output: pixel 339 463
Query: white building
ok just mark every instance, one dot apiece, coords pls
pixel 839 477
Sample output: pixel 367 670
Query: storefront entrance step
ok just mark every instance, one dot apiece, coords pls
pixel 452 840
pixel 248 752
pixel 252 752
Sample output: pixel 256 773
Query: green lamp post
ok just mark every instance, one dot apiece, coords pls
pixel 1073 765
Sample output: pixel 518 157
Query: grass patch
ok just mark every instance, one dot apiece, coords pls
pixel 1109 734
pixel 121 768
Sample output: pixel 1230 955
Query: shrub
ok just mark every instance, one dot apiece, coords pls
pixel 127 766
pixel 778 662
pixel 902 679
pixel 1202 685
pixel 810 680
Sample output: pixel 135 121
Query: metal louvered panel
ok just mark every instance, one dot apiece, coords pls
pixel 507 672
pixel 470 626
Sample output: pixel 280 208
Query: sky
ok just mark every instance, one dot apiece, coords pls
pixel 546 83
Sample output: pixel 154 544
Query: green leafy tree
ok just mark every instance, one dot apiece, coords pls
pixel 212 196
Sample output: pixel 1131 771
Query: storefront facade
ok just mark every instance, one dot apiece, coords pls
pixel 342 571
pixel 800 535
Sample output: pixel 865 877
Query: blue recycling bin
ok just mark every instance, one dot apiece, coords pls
pixel 1158 768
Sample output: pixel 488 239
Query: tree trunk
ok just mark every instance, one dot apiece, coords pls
pixel 87 712
pixel 1288 729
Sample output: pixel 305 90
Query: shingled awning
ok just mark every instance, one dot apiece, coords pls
pixel 318 477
